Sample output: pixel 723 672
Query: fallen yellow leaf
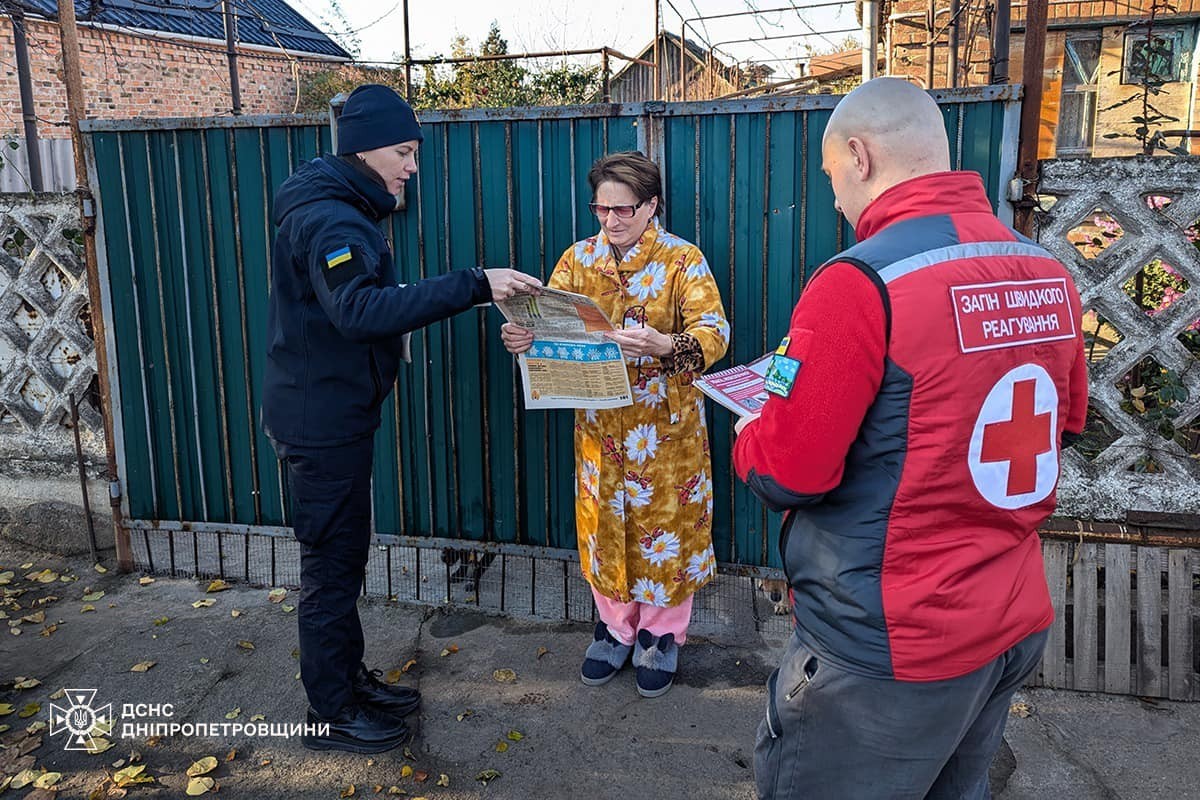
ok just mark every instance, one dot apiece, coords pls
pixel 21 682
pixel 412 662
pixel 5 709
pixel 395 790
pixel 348 791
pixel 541 651
pixel 92 597
pixel 246 644
pixel 205 603
pixel 59 695
pixel 6 577
pixel 276 595
pixel 501 746
pixel 142 666
pixel 258 717
pixel 145 580
pixel 231 755
pixel 406 771
pixel 487 776
pixel 234 714
pixel 29 710
pixel 287 609
pixel 162 620
pixel 23 779
pixel 392 677
pixel 204 661
pixel 217 585
pixel 99 568
pixel 468 712
pixel 199 786
pixel 515 736
pixel 47 779
pixel 443 780
pixel 202 767
pixel 36 618
pixel 505 675
pixel 97 745
pixel 87 608
pixel 131 775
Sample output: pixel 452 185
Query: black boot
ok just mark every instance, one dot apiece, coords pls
pixel 357 728
pixel 395 700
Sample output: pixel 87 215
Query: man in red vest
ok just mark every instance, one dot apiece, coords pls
pixel 929 380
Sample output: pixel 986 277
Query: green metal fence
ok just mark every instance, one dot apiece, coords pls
pixel 185 232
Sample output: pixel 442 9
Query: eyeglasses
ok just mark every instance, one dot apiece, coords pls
pixel 623 212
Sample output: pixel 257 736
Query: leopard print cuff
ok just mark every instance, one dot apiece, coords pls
pixel 686 355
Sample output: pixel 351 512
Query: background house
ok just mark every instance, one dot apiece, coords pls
pixel 706 76
pixel 140 59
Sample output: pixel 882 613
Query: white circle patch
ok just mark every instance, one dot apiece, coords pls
pixel 1014 447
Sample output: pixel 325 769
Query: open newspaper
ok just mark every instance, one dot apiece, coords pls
pixel 571 364
pixel 741 389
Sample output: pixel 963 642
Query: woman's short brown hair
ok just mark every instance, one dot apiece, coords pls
pixel 631 169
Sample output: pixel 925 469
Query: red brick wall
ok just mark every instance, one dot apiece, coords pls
pixel 127 76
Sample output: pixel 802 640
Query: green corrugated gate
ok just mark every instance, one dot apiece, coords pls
pixel 185 209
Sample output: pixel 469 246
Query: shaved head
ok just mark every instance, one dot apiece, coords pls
pixel 883 133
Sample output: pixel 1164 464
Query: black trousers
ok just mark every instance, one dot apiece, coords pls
pixel 330 494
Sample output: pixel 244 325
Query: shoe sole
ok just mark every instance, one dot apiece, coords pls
pixel 597 681
pixel 655 692
pixel 353 746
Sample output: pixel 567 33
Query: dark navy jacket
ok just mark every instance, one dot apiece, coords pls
pixel 336 313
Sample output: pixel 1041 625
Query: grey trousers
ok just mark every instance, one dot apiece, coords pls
pixel 830 734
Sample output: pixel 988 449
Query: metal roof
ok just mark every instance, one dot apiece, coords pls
pixel 269 23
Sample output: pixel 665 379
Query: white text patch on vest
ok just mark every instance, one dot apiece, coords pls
pixel 1012 313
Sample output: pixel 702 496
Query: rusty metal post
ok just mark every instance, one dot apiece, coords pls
pixel 870 34
pixel 235 86
pixel 73 77
pixel 1032 69
pixel 952 46
pixel 1000 42
pixel 658 84
pixel 32 151
pixel 930 42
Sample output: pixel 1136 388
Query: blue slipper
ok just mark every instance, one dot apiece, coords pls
pixel 656 659
pixel 604 658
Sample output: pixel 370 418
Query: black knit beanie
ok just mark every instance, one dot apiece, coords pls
pixel 375 116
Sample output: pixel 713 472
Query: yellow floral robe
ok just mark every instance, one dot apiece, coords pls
pixel 643 493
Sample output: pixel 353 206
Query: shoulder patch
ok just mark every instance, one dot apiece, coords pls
pixel 343 265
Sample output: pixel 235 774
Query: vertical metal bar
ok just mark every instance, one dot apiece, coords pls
pixel 162 312
pixel 390 593
pixel 566 592
pixel 802 233
pixel 87 504
pixel 574 201
pixel 407 55
pixel 1000 42
pixel 424 408
pixel 870 34
pixel 446 564
pixel 417 571
pixel 732 296
pixel 696 157
pixel 489 522
pixel 137 314
pixel 546 471
pixel 952 46
pixel 959 137
pixel 187 303
pixel 503 579
pixel 235 200
pixel 235 89
pixel 149 552
pixel 766 237
pixel 274 579
pixel 227 464
pixel 28 115
pixel 266 186
pixel 533 585
pixel 930 42
pixel 518 421
pixel 456 511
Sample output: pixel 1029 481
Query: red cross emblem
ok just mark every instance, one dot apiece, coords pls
pixel 1012 456
pixel 1020 440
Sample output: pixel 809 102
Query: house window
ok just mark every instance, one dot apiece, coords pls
pixel 1162 57
pixel 1077 104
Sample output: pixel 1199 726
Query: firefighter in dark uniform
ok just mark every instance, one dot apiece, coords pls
pixel 337 320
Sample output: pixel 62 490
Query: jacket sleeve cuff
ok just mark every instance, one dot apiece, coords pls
pixel 686 355
pixel 776 497
pixel 483 289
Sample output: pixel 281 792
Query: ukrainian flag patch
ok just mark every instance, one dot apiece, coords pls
pixel 337 257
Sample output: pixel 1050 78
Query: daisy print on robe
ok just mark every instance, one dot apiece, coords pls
pixel 650 461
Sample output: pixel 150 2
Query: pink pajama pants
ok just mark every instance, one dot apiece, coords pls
pixel 624 620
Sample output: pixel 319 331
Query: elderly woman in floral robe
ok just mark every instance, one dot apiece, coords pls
pixel 643 477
